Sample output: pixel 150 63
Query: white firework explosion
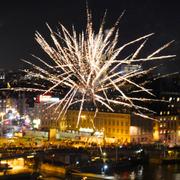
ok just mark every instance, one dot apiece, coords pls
pixel 88 65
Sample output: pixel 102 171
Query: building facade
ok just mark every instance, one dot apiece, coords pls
pixel 169 118
pixel 112 125
pixel 142 130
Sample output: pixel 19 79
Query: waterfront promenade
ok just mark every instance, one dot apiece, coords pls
pixel 75 160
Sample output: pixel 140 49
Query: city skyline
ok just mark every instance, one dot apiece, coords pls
pixel 89 89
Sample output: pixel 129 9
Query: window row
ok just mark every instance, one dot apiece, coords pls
pixel 168 118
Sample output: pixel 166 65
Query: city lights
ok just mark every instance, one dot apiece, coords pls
pixel 95 97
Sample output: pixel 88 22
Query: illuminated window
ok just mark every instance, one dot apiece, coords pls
pixel 160 125
pixel 160 119
pixel 170 99
pixel 161 113
pixel 178 99
pixel 168 112
pixel 171 118
pixel 175 118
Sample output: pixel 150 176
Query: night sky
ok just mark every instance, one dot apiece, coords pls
pixel 20 19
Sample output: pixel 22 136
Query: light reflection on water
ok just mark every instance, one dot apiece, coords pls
pixel 146 172
pixel 151 172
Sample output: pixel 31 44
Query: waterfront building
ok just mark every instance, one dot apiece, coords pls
pixel 142 130
pixel 109 125
pixel 112 125
pixel 169 118
pixel 168 112
pixel 48 116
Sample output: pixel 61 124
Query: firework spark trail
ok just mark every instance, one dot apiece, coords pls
pixel 88 65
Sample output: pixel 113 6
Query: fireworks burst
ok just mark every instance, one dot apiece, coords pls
pixel 89 66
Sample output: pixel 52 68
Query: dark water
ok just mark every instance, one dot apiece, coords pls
pixel 146 172
pixel 152 172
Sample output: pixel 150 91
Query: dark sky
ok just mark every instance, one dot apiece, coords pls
pixel 20 19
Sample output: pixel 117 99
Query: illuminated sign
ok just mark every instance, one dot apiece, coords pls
pixel 6 122
pixel 86 130
pixel 46 98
